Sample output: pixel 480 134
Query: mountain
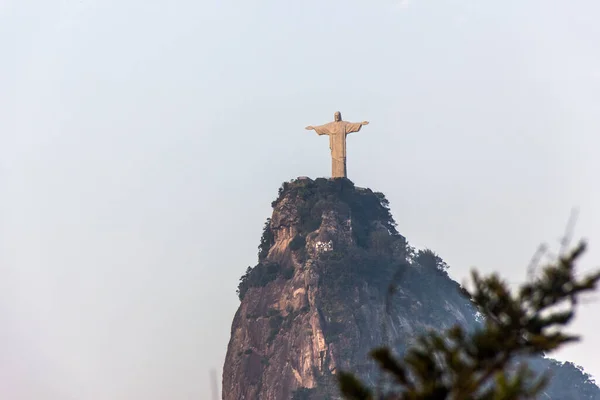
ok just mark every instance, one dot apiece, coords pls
pixel 319 298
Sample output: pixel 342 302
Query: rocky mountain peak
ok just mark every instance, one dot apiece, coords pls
pixel 319 297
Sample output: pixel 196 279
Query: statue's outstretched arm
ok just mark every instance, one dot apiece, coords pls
pixel 320 129
pixel 355 126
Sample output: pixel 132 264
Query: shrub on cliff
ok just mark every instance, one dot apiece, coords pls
pixel 429 259
pixel 266 240
pixel 259 276
pixel 486 364
pixel 297 243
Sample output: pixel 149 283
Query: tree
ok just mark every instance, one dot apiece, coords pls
pixel 429 259
pixel 489 363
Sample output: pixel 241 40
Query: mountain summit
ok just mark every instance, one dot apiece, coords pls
pixel 334 280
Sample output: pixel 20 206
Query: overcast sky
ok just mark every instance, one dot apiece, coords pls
pixel 143 141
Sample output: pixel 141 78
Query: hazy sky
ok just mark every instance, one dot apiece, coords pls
pixel 143 141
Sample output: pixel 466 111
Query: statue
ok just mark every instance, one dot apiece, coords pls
pixel 337 131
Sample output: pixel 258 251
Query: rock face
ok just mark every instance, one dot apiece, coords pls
pixel 318 300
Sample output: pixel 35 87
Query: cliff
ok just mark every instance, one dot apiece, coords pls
pixel 319 298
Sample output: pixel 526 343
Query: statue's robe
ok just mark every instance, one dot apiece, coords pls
pixel 337 131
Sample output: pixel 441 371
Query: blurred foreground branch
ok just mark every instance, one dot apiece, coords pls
pixel 457 365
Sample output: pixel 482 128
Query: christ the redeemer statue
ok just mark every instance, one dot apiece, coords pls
pixel 337 131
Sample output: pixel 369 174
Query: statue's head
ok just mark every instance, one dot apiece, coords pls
pixel 337 116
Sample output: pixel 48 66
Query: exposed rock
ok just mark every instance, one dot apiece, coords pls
pixel 318 301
